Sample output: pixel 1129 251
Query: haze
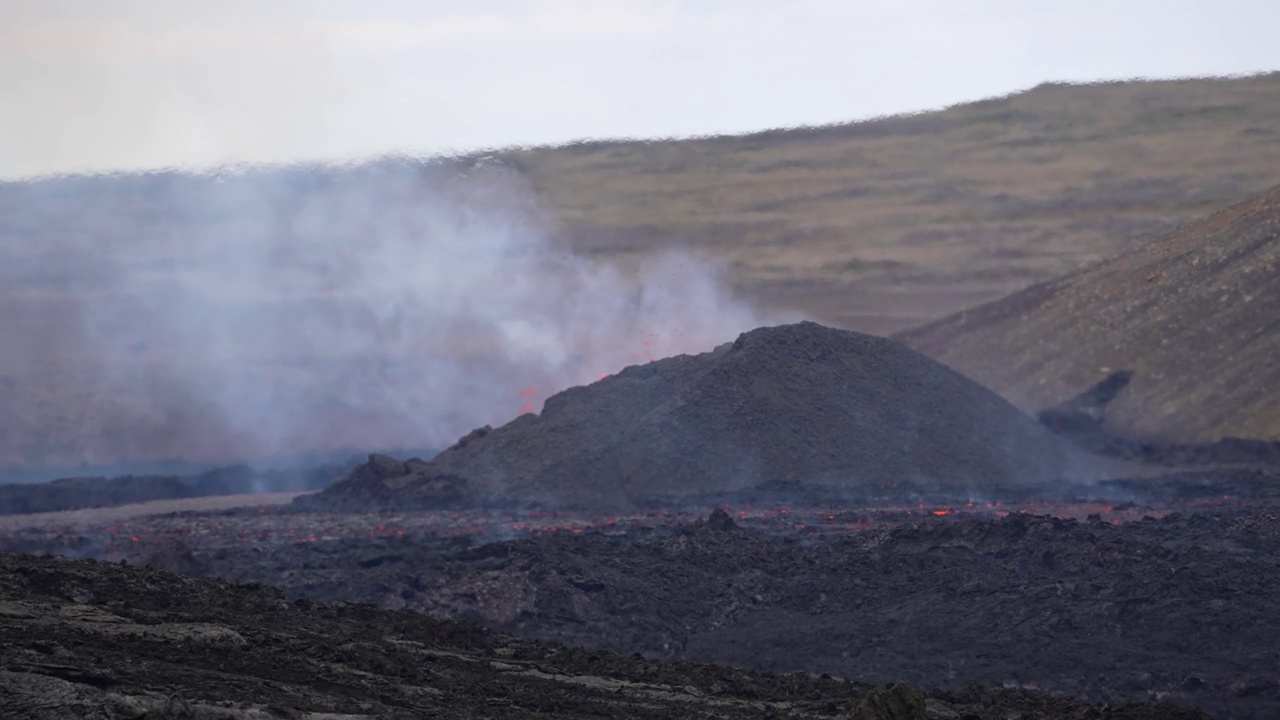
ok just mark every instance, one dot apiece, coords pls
pixel 116 84
pixel 401 302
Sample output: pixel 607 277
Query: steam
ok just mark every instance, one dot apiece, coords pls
pixel 242 315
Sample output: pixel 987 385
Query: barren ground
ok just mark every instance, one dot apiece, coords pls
pixel 92 640
pixel 1170 597
pixel 87 516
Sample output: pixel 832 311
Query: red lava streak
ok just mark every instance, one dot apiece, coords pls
pixel 528 394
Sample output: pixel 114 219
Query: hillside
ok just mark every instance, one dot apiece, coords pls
pixel 172 316
pixel 883 225
pixel 1193 315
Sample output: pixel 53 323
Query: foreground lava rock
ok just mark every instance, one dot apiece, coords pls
pixel 797 406
pixel 1184 608
pixel 93 640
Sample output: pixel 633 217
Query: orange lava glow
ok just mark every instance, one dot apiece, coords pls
pixel 527 394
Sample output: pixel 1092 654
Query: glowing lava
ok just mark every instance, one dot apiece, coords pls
pixel 527 394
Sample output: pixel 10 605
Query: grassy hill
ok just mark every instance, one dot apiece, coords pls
pixel 882 225
pixel 876 226
pixel 1195 315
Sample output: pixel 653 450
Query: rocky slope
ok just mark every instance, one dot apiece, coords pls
pixel 1193 315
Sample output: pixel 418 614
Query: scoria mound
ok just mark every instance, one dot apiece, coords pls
pixel 794 408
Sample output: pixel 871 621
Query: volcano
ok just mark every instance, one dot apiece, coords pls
pixel 1191 316
pixel 792 408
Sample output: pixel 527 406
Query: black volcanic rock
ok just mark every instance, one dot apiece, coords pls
pixel 98 640
pixel 719 521
pixel 802 405
pixel 385 482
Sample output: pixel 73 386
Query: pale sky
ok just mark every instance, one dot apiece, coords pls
pixel 97 85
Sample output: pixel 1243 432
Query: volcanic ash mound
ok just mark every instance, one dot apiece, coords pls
pixel 802 407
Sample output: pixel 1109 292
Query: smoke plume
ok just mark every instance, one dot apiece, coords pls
pixel 246 314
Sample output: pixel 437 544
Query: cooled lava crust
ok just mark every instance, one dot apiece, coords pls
pixel 105 641
pixel 1174 597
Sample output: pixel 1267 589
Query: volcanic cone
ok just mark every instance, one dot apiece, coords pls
pixel 801 406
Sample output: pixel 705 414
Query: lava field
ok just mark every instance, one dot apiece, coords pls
pixel 97 640
pixel 877 519
pixel 1171 598
pixel 1059 504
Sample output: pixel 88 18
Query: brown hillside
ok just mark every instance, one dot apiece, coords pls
pixel 884 225
pixel 872 226
pixel 1195 315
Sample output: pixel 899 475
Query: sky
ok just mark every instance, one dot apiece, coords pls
pixel 107 85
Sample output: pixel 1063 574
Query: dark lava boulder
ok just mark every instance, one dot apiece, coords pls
pixel 387 483
pixel 899 702
pixel 800 406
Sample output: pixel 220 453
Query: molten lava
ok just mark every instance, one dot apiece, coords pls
pixel 527 394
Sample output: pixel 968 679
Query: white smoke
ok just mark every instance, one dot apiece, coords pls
pixel 394 304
